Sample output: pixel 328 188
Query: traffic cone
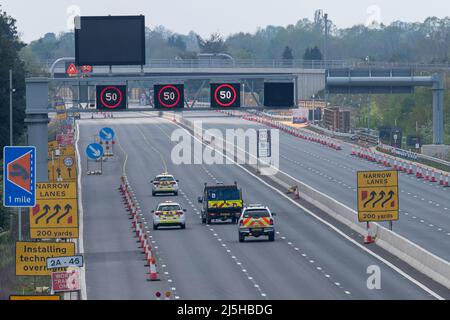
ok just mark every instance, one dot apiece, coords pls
pixel 427 176
pixel 153 275
pixel 418 172
pixel 405 169
pixel 441 179
pixel 368 239
pixel 433 178
pixel 148 256
pixel 410 170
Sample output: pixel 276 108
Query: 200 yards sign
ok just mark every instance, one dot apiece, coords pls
pixel 55 215
pixel 111 97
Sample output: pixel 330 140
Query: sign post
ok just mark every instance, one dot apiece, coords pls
pixel 55 215
pixel 377 197
pixel 263 145
pixel 107 134
pixel 94 151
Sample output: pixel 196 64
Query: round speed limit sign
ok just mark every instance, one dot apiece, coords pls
pixel 225 95
pixel 169 96
pixel 111 97
pixel 68 161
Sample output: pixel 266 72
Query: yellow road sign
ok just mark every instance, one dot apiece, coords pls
pixel 56 190
pixel 68 150
pixel 35 297
pixel 52 145
pixel 31 257
pixel 55 215
pixel 62 168
pixel 378 195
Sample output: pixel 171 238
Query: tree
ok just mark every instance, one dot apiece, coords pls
pixel 313 54
pixel 214 44
pixel 287 53
pixel 10 46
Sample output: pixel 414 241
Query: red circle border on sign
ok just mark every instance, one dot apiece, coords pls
pixel 227 85
pixel 177 92
pixel 114 105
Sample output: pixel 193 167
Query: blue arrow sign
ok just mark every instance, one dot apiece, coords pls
pixel 19 181
pixel 106 134
pixel 94 151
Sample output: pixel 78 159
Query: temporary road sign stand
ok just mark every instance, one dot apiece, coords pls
pixel 93 172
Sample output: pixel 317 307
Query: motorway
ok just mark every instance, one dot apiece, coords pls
pixel 424 206
pixel 308 260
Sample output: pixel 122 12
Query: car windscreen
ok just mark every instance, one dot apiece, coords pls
pixel 171 207
pixel 164 179
pixel 256 214
pixel 224 194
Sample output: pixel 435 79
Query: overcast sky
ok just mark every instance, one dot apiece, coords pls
pixel 37 17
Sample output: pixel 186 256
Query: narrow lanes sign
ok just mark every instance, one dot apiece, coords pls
pixel 378 195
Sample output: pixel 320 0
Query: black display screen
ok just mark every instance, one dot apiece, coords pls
pixel 279 94
pixel 169 96
pixel 111 97
pixel 225 95
pixel 110 40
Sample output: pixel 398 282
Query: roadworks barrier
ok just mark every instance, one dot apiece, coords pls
pixel 422 260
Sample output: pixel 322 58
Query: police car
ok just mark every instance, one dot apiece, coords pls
pixel 256 220
pixel 168 214
pixel 164 183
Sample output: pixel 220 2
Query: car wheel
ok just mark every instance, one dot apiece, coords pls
pixel 271 236
pixel 208 220
pixel 241 238
pixel 203 220
pixel 153 193
pixel 155 227
pixel 175 193
pixel 183 226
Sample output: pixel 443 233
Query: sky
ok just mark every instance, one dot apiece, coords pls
pixel 37 17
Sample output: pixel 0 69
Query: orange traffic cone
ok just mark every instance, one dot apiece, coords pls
pixel 153 274
pixel 433 178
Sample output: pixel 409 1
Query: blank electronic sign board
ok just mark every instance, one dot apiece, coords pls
pixel 110 40
pixel 279 94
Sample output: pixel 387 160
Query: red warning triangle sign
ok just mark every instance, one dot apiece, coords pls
pixel 19 172
pixel 72 69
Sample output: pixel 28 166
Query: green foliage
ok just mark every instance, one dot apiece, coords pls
pixel 287 53
pixel 214 44
pixel 10 45
pixel 405 110
pixel 313 54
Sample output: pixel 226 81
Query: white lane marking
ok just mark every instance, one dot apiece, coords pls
pixel 389 264
pixel 393 267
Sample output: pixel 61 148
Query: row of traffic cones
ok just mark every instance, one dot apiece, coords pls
pixel 402 165
pixel 138 226
pixel 323 140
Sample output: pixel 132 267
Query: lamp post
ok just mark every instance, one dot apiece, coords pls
pixel 11 143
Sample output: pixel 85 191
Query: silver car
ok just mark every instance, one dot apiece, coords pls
pixel 169 214
pixel 164 183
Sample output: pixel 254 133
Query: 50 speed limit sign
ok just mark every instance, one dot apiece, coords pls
pixel 225 95
pixel 111 97
pixel 169 96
